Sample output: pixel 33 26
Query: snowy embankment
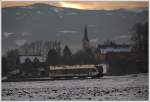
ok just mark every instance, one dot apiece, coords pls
pixel 128 87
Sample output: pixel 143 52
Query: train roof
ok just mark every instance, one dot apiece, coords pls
pixel 72 67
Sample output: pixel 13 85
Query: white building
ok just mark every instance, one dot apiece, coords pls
pixel 104 49
pixel 39 70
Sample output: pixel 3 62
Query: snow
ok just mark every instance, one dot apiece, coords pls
pixel 7 34
pixel 57 10
pixel 110 49
pixel 15 71
pixel 27 7
pixel 136 10
pixel 20 42
pixel 128 87
pixel 72 13
pixel 39 12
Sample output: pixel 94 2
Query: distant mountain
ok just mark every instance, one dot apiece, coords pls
pixel 45 22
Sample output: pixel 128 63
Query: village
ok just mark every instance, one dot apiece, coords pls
pixel 32 62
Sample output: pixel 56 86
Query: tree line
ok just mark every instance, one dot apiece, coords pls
pixel 53 57
pixel 137 60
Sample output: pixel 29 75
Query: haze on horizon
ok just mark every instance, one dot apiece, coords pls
pixel 88 5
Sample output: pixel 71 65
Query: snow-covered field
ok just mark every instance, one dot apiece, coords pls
pixel 128 87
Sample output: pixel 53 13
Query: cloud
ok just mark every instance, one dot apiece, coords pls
pixel 68 31
pixel 72 13
pixel 91 25
pixel 26 34
pixel 121 37
pixel 20 42
pixel 7 34
pixel 93 40
pixel 103 5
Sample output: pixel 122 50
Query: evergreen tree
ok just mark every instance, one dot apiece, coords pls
pixel 28 67
pixel 140 45
pixel 140 38
pixel 5 69
pixel 18 63
pixel 67 55
pixel 12 56
pixel 36 63
pixel 53 57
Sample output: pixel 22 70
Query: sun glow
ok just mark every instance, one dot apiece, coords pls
pixel 102 5
pixel 71 5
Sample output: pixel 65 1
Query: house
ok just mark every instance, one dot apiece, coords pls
pixel 103 49
pixel 116 57
pixel 32 65
pixel 23 58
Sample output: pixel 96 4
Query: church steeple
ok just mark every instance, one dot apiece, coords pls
pixel 85 40
pixel 85 34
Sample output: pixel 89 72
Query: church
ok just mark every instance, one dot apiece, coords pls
pixel 85 40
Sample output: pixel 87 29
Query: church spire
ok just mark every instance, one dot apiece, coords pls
pixel 85 40
pixel 85 34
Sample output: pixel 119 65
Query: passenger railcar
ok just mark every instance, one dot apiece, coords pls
pixel 75 71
